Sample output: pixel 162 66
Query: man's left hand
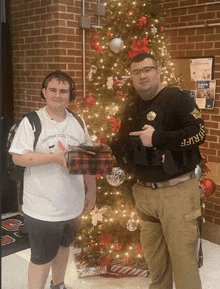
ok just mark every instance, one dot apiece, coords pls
pixel 145 135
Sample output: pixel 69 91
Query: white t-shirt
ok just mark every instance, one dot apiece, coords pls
pixel 50 193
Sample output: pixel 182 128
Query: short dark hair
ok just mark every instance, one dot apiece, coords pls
pixel 60 76
pixel 140 57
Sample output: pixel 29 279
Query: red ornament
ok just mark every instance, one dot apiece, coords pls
pixel 141 21
pixel 208 187
pixel 164 13
pixel 117 246
pixel 127 260
pixel 161 30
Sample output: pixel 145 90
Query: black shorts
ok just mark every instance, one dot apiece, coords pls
pixel 46 237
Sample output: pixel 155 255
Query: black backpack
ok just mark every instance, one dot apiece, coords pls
pixel 16 172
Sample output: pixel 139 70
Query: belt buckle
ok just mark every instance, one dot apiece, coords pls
pixel 154 186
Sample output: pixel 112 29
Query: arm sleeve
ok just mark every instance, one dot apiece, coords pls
pixel 23 139
pixel 189 129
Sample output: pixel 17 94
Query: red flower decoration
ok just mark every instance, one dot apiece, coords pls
pixel 114 124
pixel 96 247
pixel 95 44
pixel 138 47
pixel 141 21
pixel 89 102
pixel 208 186
pixel 104 261
pixel 91 244
pixel 127 260
pixel 107 239
pixel 121 95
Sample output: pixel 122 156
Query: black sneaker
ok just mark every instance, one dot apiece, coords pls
pixel 22 232
pixel 58 286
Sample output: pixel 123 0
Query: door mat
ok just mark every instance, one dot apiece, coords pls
pixel 11 241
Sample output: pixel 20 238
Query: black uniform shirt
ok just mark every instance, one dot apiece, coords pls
pixel 179 130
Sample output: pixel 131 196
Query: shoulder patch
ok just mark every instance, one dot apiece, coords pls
pixel 196 113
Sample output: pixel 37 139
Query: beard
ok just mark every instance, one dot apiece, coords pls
pixel 149 93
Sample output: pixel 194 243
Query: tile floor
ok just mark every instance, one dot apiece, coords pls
pixel 14 273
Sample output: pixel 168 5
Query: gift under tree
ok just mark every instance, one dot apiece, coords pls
pixel 111 231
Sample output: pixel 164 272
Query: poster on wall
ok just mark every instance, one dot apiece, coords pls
pixel 201 68
pixel 205 93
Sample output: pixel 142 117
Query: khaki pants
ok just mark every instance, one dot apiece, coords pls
pixel 171 246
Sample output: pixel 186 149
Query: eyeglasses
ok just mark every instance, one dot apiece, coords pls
pixel 145 70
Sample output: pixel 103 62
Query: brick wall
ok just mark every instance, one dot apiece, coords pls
pixel 193 42
pixel 46 36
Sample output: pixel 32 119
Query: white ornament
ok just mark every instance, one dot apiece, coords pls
pixel 110 82
pixel 198 171
pixel 131 225
pixel 97 214
pixel 116 45
pixel 91 72
pixel 112 109
pixel 123 80
pixel 116 178
pixel 153 30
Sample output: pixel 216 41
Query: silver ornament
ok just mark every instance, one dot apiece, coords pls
pixel 116 45
pixel 198 171
pixel 131 225
pixel 116 178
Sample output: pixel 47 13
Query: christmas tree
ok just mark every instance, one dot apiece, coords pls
pixel 111 230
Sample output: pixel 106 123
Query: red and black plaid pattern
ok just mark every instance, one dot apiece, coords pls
pixel 88 160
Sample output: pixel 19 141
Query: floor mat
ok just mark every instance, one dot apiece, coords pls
pixel 11 241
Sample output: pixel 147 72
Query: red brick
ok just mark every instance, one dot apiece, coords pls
pixel 216 221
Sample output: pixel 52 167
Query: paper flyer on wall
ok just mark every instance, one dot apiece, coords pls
pixel 205 93
pixel 201 68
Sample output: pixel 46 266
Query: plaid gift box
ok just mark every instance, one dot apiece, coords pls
pixel 89 160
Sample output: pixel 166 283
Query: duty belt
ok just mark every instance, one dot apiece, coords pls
pixel 169 183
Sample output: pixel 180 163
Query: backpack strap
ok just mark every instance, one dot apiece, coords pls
pixel 78 118
pixel 36 125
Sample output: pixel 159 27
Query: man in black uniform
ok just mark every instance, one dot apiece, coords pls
pixel 158 141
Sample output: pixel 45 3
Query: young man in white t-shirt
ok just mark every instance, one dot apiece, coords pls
pixel 52 199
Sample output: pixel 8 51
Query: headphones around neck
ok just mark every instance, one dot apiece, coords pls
pixel 65 77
